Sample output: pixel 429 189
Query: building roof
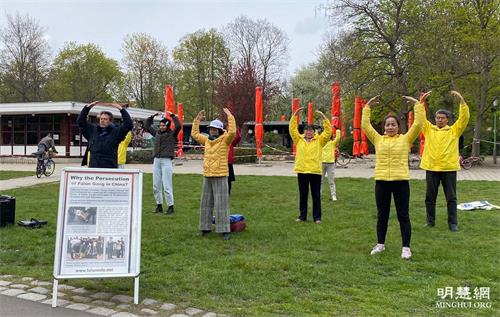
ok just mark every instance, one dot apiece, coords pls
pixel 67 107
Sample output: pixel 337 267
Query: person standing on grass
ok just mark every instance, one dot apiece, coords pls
pixel 163 153
pixel 104 138
pixel 328 166
pixel 391 171
pixel 441 162
pixel 230 160
pixel 308 163
pixel 215 193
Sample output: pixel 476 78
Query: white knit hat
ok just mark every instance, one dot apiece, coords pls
pixel 216 124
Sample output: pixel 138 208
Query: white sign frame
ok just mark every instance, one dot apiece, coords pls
pixel 132 248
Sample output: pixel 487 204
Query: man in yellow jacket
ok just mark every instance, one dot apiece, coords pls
pixel 441 162
pixel 308 159
pixel 215 192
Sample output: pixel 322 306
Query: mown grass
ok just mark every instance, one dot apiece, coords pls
pixel 281 268
pixel 14 174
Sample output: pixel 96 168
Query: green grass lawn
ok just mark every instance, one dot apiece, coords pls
pixel 281 268
pixel 14 174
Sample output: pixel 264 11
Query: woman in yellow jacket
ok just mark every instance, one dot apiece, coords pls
pixel 215 192
pixel 391 171
pixel 328 166
pixel 122 150
pixel 308 159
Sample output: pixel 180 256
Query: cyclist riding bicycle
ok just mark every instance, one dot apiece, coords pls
pixel 45 144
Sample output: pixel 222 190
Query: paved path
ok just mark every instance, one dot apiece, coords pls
pixel 13 306
pixel 356 169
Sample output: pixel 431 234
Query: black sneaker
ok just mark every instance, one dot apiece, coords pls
pixel 159 209
pixel 226 236
pixel 170 210
pixel 453 227
pixel 204 232
pixel 429 224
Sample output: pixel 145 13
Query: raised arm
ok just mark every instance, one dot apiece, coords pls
pixel 177 123
pixel 327 129
pixel 231 127
pixel 337 138
pixel 419 119
pixel 195 130
pixel 366 125
pixel 292 126
pixel 148 125
pixel 463 115
pixel 127 123
pixel 82 122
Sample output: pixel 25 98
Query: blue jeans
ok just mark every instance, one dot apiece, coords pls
pixel 162 175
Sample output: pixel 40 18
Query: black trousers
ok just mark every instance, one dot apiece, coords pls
pixel 313 181
pixel 231 178
pixel 449 181
pixel 401 192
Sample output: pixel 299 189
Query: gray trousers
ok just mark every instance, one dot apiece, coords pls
pixel 328 169
pixel 214 199
pixel 162 176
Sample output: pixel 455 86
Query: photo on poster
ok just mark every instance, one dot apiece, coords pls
pixel 116 247
pixel 82 215
pixel 84 248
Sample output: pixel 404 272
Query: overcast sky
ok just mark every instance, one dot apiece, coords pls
pixel 106 22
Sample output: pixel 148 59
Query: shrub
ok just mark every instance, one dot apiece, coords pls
pixel 144 156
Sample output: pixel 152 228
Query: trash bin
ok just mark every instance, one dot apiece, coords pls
pixel 7 210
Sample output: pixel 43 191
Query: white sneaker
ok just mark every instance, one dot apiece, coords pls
pixel 406 253
pixel 377 249
pixel 334 197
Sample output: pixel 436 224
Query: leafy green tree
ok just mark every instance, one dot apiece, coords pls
pixel 201 59
pixel 82 72
pixel 147 70
pixel 24 59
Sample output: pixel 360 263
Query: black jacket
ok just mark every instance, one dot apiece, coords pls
pixel 165 142
pixel 103 142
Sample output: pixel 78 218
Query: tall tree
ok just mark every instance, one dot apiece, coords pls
pixel 261 46
pixel 83 73
pixel 201 58
pixel 146 69
pixel 24 58
pixel 482 21
pixel 380 29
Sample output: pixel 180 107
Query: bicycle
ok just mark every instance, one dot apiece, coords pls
pixel 467 163
pixel 414 161
pixel 342 158
pixel 46 166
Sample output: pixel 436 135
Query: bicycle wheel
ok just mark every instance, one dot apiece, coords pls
pixel 466 164
pixel 343 159
pixel 414 161
pixel 39 171
pixel 50 167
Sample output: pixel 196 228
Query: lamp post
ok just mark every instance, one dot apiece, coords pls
pixel 494 109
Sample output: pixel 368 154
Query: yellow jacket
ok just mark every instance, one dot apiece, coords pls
pixel 391 162
pixel 122 148
pixel 215 157
pixel 309 154
pixel 329 149
pixel 441 145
